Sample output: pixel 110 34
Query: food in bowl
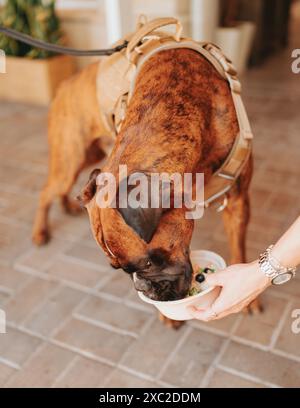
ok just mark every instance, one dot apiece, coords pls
pixel 198 278
pixel 178 309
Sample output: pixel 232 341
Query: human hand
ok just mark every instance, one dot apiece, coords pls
pixel 240 284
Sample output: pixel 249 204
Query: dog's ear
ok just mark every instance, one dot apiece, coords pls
pixel 143 220
pixel 90 188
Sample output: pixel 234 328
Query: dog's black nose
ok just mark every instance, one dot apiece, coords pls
pixel 129 268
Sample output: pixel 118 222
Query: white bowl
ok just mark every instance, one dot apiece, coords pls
pixel 177 309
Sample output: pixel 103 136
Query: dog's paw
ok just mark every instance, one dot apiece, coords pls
pixel 172 324
pixel 255 307
pixel 41 237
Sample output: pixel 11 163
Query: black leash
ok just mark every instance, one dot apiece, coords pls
pixel 27 39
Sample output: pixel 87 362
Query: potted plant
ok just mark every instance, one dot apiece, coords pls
pixel 235 37
pixel 32 75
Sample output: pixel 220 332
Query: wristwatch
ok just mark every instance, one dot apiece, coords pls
pixel 272 268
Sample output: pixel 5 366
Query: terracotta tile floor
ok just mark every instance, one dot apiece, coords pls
pixel 68 313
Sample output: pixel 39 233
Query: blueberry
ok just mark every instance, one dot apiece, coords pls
pixel 200 278
pixel 208 270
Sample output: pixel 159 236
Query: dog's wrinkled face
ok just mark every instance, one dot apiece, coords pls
pixel 149 242
pixel 163 279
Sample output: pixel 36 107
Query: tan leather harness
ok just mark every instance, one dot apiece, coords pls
pixel 116 80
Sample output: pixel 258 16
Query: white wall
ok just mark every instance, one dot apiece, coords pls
pixel 98 23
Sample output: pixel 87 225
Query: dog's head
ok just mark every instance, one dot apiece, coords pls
pixel 152 242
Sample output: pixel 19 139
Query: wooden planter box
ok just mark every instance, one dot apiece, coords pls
pixel 34 81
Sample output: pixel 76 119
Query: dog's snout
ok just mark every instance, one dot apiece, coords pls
pixel 170 283
pixel 142 284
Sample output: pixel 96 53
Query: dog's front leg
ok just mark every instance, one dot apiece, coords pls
pixel 236 217
pixel 173 324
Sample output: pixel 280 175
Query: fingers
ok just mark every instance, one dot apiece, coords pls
pixel 209 314
pixel 214 279
pixel 220 308
pixel 201 314
pixel 237 291
pixel 217 310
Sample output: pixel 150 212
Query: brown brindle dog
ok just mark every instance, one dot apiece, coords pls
pixel 181 118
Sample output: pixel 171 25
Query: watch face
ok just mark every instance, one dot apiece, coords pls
pixel 282 278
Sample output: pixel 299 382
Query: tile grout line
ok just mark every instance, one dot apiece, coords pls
pixel 284 354
pixel 210 371
pixel 202 326
pixel 104 325
pixel 165 384
pixel 24 329
pixel 91 291
pixel 83 353
pixel 147 326
pixel 119 365
pixel 102 282
pixel 172 354
pixel 68 237
pixel 39 306
pixel 47 265
pixel 10 363
pixel 15 222
pixel 212 330
pixel 34 168
pixel 246 376
pixel 96 358
pixel 280 325
pixel 65 371
pixel 137 374
pixel 47 340
pixel 27 360
pixel 82 262
pixel 8 188
pixel 284 296
pixel 246 342
pixel 6 291
pixel 66 346
pixel 52 278
pixel 17 291
pixel 20 288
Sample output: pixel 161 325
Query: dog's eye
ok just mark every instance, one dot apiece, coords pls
pixel 148 264
pixel 129 268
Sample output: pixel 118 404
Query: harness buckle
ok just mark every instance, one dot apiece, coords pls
pixel 217 205
pixel 224 61
pixel 226 176
pixel 234 83
pixel 223 205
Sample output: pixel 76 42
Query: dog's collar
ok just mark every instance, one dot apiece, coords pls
pixel 121 70
pixel 108 249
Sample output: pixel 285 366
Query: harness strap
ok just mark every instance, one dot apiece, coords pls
pixel 225 177
pixel 148 28
pixel 121 70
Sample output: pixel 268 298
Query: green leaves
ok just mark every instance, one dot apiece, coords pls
pixel 33 17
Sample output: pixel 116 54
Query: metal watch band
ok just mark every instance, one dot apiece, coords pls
pixel 272 268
